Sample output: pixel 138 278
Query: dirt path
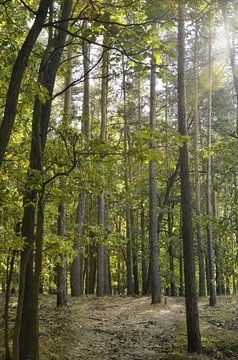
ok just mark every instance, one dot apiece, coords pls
pixel 112 328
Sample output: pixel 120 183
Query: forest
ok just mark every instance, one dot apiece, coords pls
pixel 118 179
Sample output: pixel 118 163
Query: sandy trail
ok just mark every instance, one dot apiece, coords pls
pixel 112 328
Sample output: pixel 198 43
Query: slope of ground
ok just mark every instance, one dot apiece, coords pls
pixel 131 329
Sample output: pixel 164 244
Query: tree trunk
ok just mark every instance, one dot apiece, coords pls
pixel 171 254
pixel 143 251
pixel 202 291
pixel 153 215
pixel 77 265
pixel 192 318
pixel 210 249
pixel 17 75
pixel 129 281
pixel 134 254
pixel 102 258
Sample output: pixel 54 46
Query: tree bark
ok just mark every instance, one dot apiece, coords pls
pixel 153 215
pixel 210 249
pixel 192 318
pixel 202 290
pixel 143 251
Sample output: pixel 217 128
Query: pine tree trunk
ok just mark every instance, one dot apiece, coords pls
pixel 202 291
pixel 129 281
pixel 153 214
pixel 143 251
pixel 210 249
pixel 134 254
pixel 171 254
pixel 192 318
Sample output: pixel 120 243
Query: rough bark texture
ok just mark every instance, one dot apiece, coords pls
pixel 210 249
pixel 153 214
pixel 192 318
pixel 17 75
pixel 202 290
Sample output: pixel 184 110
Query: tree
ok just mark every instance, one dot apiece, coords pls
pixel 192 318
pixel 153 217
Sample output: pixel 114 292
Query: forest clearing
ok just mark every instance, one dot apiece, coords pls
pixel 120 328
pixel 118 179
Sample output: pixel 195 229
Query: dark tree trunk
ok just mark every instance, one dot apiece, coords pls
pixel 134 254
pixel 202 290
pixel 143 251
pixel 210 249
pixel 153 215
pixel 17 75
pixel 171 254
pixel 192 318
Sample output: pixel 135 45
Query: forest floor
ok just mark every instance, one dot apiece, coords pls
pixel 129 328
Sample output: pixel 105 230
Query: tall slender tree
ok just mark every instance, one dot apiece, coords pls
pixel 153 215
pixel 202 290
pixel 192 318
pixel 210 249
